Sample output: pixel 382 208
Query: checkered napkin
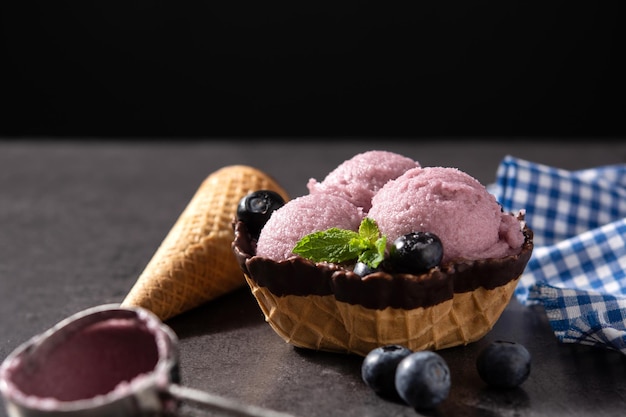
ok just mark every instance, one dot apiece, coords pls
pixel 578 267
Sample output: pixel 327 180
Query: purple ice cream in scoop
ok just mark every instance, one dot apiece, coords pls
pixel 302 216
pixel 93 361
pixel 451 204
pixel 360 177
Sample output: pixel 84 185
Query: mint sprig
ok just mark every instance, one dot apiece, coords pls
pixel 340 245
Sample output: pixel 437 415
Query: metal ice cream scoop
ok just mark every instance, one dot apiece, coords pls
pixel 104 361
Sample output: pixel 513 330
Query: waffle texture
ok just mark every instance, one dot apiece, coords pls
pixel 194 263
pixel 323 323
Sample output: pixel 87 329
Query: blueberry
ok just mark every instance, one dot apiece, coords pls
pixel 256 208
pixel 362 269
pixel 504 364
pixel 423 379
pixel 416 252
pixel 379 369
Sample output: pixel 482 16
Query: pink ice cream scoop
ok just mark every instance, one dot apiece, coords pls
pixel 360 177
pixel 451 204
pixel 302 216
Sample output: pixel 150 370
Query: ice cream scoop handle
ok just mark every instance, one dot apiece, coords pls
pixel 216 402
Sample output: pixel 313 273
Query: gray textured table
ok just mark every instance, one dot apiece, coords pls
pixel 80 220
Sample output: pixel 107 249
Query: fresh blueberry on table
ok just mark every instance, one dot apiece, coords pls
pixel 423 379
pixel 416 252
pixel 504 364
pixel 255 209
pixel 378 369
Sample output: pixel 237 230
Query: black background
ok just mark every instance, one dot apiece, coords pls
pixel 216 69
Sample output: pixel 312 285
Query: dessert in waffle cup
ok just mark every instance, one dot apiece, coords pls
pixel 194 263
pixel 302 267
pixel 324 306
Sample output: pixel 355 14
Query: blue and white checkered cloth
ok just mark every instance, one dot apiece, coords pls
pixel 578 267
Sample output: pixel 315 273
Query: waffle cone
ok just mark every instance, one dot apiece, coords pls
pixel 322 322
pixel 194 263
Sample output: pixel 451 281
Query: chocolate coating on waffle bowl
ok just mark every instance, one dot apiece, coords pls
pixel 379 290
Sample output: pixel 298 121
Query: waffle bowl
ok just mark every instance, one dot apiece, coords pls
pixel 323 306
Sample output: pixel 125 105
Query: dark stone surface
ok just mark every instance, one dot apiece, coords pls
pixel 80 220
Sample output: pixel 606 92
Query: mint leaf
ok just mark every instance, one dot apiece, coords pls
pixel 369 230
pixel 381 245
pixel 340 245
pixel 358 244
pixel 375 253
pixel 332 245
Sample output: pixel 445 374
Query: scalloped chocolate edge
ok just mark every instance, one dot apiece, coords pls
pixel 380 289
